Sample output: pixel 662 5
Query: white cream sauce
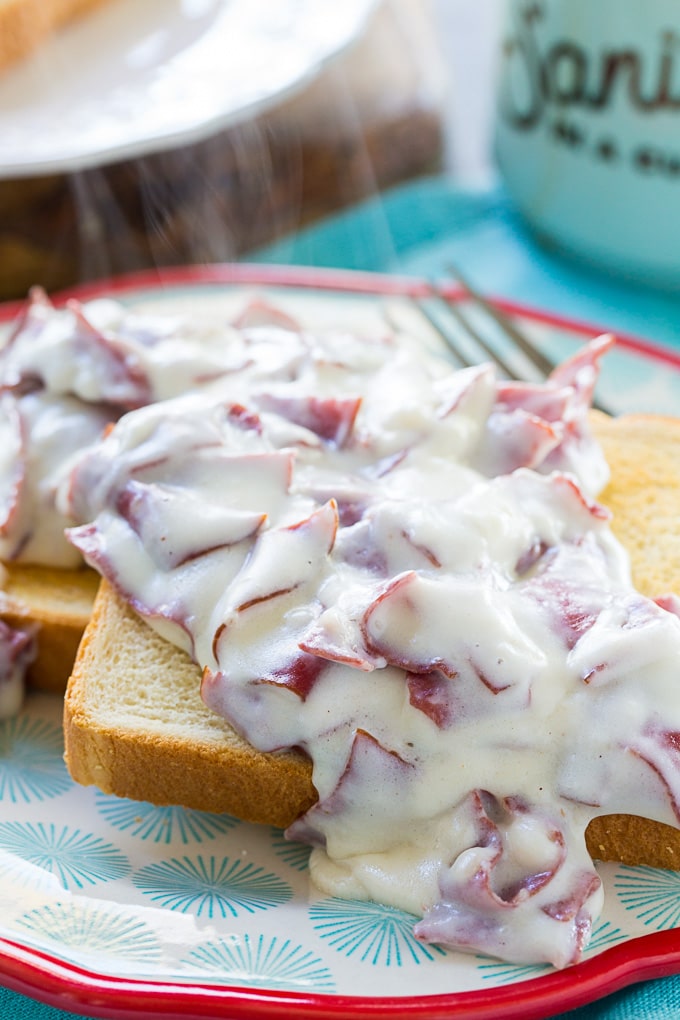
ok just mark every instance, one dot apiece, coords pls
pixel 400 570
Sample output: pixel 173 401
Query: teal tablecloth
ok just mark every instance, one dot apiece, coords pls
pixel 419 229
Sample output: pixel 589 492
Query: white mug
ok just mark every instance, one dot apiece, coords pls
pixel 588 129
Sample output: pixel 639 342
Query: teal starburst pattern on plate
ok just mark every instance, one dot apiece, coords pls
pixel 80 925
pixel 75 858
pixel 212 886
pixel 371 932
pixel 499 972
pixel 162 824
pixel 261 962
pixel 651 894
pixel 31 760
pixel 605 935
pixel 294 854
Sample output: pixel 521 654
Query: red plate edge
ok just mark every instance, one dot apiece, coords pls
pixel 68 987
pixel 341 280
pixel 233 273
pixel 65 986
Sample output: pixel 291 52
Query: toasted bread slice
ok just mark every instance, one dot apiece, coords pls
pixel 59 602
pixel 135 724
pixel 643 452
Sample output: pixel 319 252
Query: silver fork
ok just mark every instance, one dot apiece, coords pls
pixel 479 331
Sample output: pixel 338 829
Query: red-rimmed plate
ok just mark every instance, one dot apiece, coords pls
pixel 125 910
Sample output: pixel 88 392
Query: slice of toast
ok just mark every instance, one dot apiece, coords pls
pixel 59 602
pixel 135 724
pixel 643 452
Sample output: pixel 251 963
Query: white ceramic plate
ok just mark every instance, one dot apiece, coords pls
pixel 132 78
pixel 109 905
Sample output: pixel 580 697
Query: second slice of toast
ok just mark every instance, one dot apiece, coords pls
pixel 58 602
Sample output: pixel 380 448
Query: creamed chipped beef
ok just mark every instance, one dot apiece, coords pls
pixel 400 569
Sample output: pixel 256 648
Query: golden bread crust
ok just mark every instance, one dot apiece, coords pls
pixel 628 839
pixel 185 754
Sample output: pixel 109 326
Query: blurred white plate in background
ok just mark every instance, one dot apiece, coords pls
pixel 131 78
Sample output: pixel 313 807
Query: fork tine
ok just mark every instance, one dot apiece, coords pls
pixel 456 330
pixel 461 319
pixel 538 359
pixel 542 363
pixel 418 305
